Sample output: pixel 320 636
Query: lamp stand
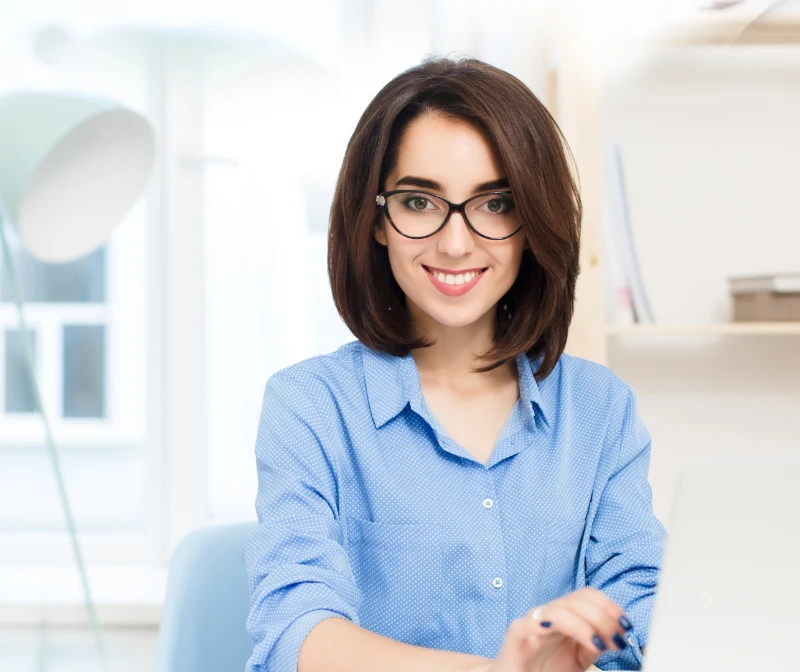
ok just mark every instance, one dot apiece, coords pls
pixel 53 454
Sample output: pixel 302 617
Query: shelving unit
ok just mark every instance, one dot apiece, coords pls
pixel 574 94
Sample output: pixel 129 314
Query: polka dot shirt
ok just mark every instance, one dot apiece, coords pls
pixel 368 510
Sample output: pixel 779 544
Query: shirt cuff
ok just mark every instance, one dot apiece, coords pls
pixel 630 658
pixel 286 651
pixel 636 650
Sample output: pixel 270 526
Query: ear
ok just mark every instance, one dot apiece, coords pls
pixel 379 234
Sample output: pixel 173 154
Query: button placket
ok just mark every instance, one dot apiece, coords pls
pixel 495 557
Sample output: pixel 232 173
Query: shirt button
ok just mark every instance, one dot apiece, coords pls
pixel 498 582
pixel 631 641
pixel 487 503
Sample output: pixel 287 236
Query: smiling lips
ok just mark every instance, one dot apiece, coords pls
pixel 454 284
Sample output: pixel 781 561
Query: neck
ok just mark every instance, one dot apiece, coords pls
pixel 451 359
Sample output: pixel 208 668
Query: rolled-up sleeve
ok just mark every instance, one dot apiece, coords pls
pixel 298 569
pixel 627 540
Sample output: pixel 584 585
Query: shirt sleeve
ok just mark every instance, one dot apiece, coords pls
pixel 297 567
pixel 627 540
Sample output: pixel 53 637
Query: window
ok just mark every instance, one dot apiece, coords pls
pixel 70 300
pixel 89 325
pixel 93 327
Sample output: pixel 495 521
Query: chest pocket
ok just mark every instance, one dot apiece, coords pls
pixel 398 568
pixel 563 555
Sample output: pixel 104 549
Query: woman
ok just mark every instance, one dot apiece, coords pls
pixel 451 491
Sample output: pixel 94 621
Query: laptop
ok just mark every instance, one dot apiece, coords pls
pixel 728 594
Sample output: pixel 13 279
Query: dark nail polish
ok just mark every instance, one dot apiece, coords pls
pixel 599 643
pixel 545 624
pixel 621 643
pixel 625 623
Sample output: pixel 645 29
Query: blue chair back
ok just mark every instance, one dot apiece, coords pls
pixel 207 602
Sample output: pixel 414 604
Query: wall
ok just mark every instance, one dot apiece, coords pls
pixel 710 140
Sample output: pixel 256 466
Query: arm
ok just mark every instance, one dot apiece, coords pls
pixel 627 540
pixel 337 645
pixel 299 572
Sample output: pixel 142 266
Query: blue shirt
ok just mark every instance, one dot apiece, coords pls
pixel 369 510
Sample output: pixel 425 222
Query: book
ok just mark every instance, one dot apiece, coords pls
pixel 619 308
pixel 779 283
pixel 622 234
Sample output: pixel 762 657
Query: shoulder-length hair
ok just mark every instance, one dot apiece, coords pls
pixel 539 168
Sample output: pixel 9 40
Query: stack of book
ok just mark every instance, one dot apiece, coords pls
pixel 765 298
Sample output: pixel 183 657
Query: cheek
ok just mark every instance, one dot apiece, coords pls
pixel 509 258
pixel 402 254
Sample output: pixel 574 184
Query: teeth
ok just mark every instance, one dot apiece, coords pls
pixel 459 279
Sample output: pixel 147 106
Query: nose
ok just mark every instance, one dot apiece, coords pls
pixel 455 239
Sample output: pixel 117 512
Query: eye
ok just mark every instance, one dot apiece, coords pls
pixel 499 205
pixel 418 202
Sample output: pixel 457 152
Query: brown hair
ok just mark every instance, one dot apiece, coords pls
pixel 536 158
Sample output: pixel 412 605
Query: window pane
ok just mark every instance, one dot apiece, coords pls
pixel 19 391
pixel 84 371
pixel 81 281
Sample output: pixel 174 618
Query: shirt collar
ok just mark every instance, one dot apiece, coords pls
pixel 392 383
pixel 528 387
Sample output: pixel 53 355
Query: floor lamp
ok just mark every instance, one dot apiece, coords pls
pixel 71 167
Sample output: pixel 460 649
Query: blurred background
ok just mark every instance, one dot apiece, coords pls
pixel 152 351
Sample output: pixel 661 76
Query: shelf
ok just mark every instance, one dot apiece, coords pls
pixel 723 328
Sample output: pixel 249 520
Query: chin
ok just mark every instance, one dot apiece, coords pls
pixel 454 318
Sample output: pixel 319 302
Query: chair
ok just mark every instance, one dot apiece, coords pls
pixel 207 602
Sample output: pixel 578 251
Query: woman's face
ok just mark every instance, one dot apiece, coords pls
pixel 455 155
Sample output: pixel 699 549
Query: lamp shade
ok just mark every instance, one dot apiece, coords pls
pixel 71 167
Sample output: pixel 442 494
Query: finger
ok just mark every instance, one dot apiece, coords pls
pixel 602 625
pixel 522 641
pixel 537 614
pixel 601 599
pixel 533 632
pixel 567 622
pixel 542 628
pixel 608 618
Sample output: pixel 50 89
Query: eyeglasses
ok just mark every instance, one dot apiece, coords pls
pixel 421 214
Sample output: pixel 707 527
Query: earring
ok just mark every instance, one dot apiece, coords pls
pixel 508 312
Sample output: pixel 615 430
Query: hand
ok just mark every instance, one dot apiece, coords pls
pixel 567 645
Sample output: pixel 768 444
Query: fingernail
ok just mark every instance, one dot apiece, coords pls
pixel 621 643
pixel 625 623
pixel 599 643
pixel 545 624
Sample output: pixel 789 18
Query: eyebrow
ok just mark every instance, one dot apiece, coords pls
pixel 425 183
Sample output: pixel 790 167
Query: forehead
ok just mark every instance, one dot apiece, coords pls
pixel 452 152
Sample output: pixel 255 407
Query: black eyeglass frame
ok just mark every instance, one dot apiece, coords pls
pixel 380 201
